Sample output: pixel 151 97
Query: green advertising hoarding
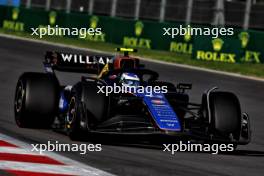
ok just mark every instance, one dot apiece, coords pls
pixel 130 33
pixel 243 46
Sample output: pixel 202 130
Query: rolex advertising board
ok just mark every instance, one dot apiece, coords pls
pixel 22 20
pixel 2 14
pixel 182 44
pixel 12 21
pixel 242 47
pixel 149 35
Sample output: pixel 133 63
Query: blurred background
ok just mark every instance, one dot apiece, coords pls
pixel 239 13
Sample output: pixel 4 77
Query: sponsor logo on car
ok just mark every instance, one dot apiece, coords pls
pixel 81 59
pixel 158 102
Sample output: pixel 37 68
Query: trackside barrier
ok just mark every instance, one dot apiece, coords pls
pixel 243 46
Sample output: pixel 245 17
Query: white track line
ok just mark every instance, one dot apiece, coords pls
pixel 71 167
pixel 143 58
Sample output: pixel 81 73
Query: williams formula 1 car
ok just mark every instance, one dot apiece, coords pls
pixel 85 108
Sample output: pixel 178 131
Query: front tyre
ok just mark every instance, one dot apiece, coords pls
pixel 86 109
pixel 75 117
pixel 223 114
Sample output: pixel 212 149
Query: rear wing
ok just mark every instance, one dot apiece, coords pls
pixel 79 63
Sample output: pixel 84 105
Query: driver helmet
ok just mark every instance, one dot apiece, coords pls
pixel 129 79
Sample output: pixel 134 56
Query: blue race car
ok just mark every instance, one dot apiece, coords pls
pixel 121 97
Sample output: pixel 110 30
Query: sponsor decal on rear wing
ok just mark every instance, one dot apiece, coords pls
pixel 69 62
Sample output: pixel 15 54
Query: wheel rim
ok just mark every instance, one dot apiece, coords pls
pixel 72 112
pixel 19 97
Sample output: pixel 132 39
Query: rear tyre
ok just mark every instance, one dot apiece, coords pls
pixel 36 100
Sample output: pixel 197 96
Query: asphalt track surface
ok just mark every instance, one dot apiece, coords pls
pixel 18 56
